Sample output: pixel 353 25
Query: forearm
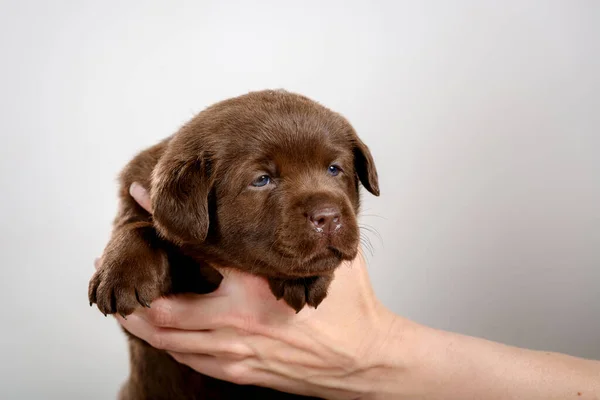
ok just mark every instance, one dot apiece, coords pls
pixel 421 362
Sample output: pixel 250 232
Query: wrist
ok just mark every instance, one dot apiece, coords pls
pixel 388 362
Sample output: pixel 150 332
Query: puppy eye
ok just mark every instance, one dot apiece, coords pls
pixel 334 170
pixel 261 181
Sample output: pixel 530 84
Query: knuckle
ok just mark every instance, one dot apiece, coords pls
pixel 227 320
pixel 243 323
pixel 157 340
pixel 160 315
pixel 237 373
pixel 235 350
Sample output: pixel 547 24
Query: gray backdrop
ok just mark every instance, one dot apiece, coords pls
pixel 483 117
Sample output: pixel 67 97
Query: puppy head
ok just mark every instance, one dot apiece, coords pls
pixel 268 181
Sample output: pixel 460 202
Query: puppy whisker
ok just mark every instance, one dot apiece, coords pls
pixel 370 230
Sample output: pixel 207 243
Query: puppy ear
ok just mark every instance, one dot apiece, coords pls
pixel 180 190
pixel 365 167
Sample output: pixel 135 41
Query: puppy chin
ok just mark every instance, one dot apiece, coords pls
pixel 321 262
pixel 347 255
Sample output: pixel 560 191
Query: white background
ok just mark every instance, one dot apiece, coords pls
pixel 483 117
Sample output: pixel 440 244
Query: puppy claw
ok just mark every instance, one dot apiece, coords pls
pixel 298 293
pixel 141 300
pixel 117 288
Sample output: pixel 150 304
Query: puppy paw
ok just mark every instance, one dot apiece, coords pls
pixel 131 274
pixel 299 292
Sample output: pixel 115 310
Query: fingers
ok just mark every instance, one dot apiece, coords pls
pixel 189 312
pixel 251 371
pixel 223 342
pixel 217 367
pixel 141 195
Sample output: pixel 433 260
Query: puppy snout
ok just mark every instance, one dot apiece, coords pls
pixel 326 219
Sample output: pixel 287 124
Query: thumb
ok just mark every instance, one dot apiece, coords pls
pixel 141 195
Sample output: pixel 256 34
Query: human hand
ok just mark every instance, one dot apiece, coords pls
pixel 241 333
pixel 350 347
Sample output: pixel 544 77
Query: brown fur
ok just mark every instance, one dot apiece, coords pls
pixel 206 210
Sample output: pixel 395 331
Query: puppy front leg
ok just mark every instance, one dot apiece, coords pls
pixel 299 292
pixel 134 270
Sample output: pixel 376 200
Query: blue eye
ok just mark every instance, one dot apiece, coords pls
pixel 261 181
pixel 333 170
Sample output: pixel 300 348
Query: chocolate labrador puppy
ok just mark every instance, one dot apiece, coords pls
pixel 267 182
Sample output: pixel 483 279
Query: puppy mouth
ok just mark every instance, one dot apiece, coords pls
pixel 336 252
pixel 321 262
pixel 327 253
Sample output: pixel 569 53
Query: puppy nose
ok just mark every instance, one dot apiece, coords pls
pixel 326 219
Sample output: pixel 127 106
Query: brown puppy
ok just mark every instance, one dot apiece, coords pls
pixel 268 183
